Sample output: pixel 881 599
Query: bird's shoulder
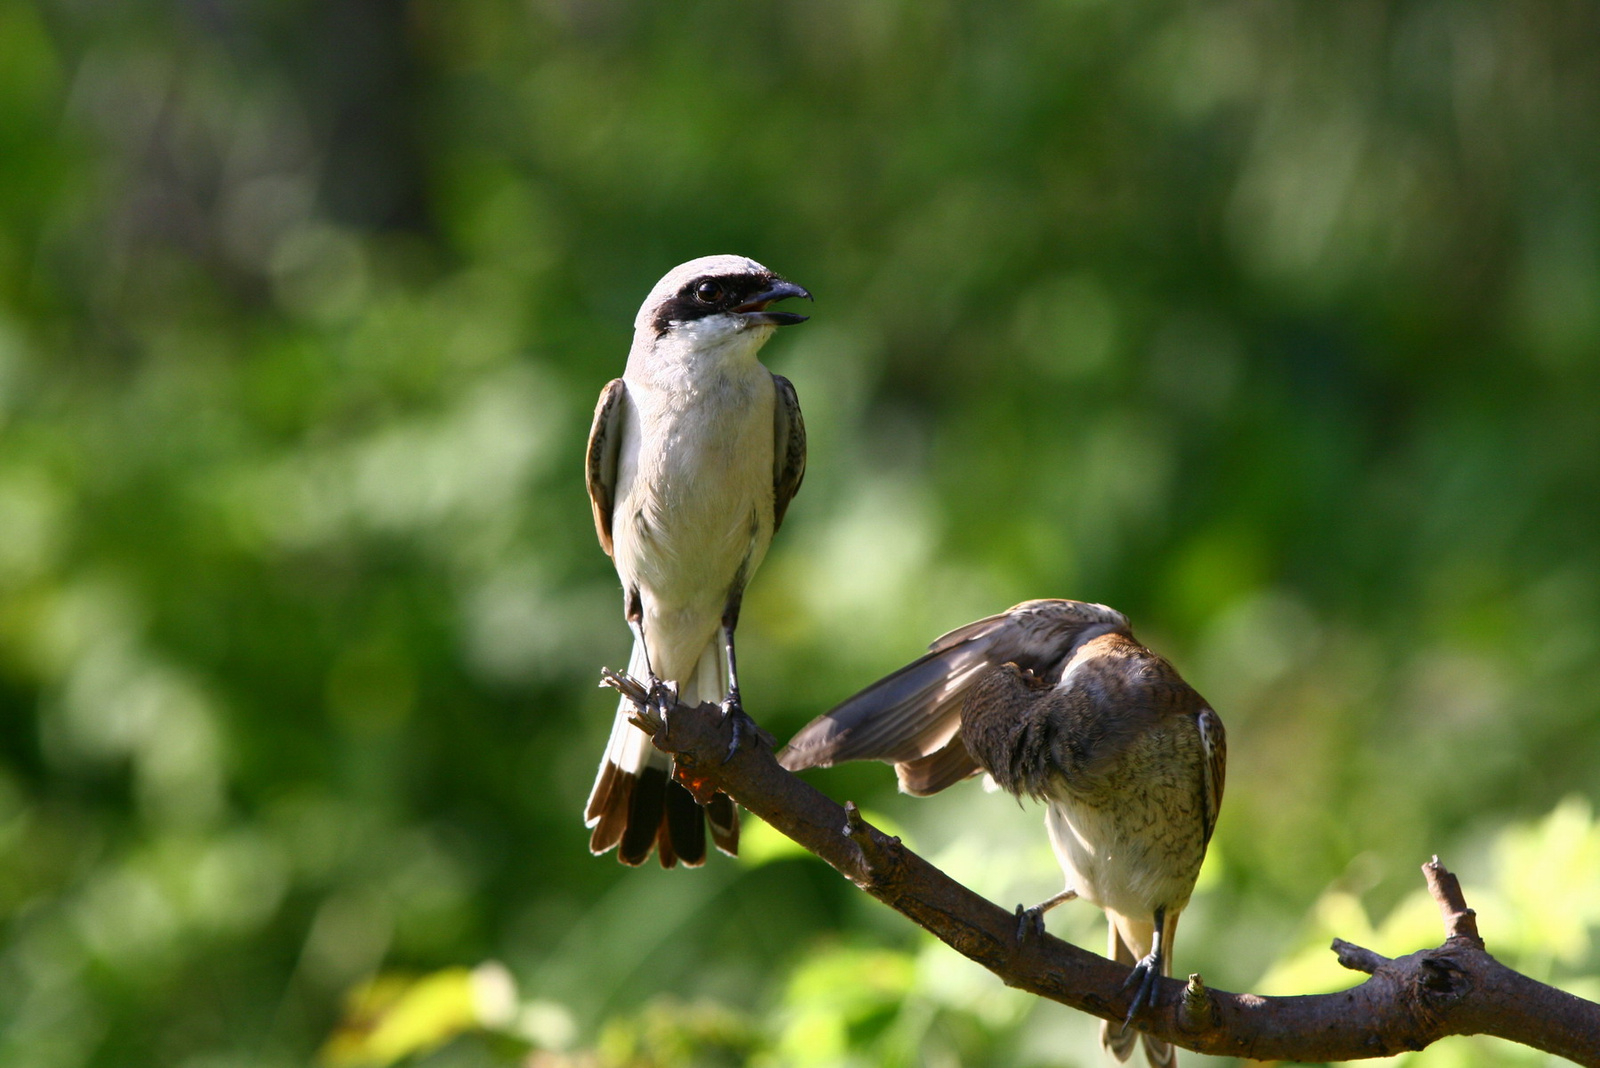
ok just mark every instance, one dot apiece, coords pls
pixel 1116 669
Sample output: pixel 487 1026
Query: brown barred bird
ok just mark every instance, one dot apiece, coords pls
pixel 1057 701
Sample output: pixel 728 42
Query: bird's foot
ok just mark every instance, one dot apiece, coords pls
pixel 1143 979
pixel 661 696
pixel 650 702
pixel 743 726
pixel 1030 923
pixel 733 709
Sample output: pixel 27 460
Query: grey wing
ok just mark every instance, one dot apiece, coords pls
pixel 910 717
pixel 913 712
pixel 902 717
pixel 789 449
pixel 1039 636
pixel 1214 742
pixel 605 440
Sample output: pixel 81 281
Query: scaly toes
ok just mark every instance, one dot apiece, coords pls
pixel 1030 923
pixel 663 695
pixel 1144 977
pixel 732 709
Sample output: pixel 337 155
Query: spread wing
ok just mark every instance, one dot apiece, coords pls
pixel 605 438
pixel 789 449
pixel 1214 742
pixel 911 717
pixel 909 714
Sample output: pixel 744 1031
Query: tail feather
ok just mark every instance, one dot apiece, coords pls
pixel 607 811
pixel 1117 1039
pixel 1127 944
pixel 636 807
pixel 1160 1054
pixel 645 812
pixel 683 829
pixel 723 816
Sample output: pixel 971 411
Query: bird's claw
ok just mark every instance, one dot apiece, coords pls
pixel 733 709
pixel 743 726
pixel 650 702
pixel 1144 977
pixel 661 696
pixel 1030 923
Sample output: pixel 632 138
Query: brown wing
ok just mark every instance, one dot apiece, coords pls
pixel 913 714
pixel 908 714
pixel 1214 740
pixel 605 437
pixel 1036 635
pixel 789 449
pixel 932 773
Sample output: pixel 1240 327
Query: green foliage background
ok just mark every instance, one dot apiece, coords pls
pixel 1276 326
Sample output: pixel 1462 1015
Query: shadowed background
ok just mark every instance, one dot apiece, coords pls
pixel 1275 326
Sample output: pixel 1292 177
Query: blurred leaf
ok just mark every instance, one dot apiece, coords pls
pixel 392 1017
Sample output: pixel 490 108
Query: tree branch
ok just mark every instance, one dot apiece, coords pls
pixel 1408 1003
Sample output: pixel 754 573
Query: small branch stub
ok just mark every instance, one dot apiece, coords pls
pixel 1198 1011
pixel 879 852
pixel 1356 958
pixel 1460 922
pixel 626 685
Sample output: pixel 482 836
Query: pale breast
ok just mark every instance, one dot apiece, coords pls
pixel 1131 837
pixel 694 502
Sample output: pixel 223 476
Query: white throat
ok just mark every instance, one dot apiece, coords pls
pixel 698 350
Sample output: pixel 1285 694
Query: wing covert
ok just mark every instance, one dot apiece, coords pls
pixel 789 448
pixel 605 439
pixel 1214 742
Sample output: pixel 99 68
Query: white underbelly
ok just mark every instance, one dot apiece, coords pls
pixel 1109 862
pixel 692 522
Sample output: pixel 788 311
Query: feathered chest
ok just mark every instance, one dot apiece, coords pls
pixel 695 478
pixel 706 442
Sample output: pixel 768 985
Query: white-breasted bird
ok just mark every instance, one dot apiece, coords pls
pixel 693 457
pixel 1057 701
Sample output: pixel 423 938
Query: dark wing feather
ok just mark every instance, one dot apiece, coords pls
pixel 1214 740
pixel 916 711
pixel 906 715
pixel 605 439
pixel 789 449
pixel 932 773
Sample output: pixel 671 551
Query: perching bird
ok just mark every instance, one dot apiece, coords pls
pixel 693 457
pixel 1057 701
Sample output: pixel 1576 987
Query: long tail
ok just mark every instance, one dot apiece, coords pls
pixel 635 805
pixel 1128 943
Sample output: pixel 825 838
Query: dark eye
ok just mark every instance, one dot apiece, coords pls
pixel 708 292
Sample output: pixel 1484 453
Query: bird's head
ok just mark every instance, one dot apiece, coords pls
pixel 716 303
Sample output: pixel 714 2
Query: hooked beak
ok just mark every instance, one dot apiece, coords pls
pixel 754 311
